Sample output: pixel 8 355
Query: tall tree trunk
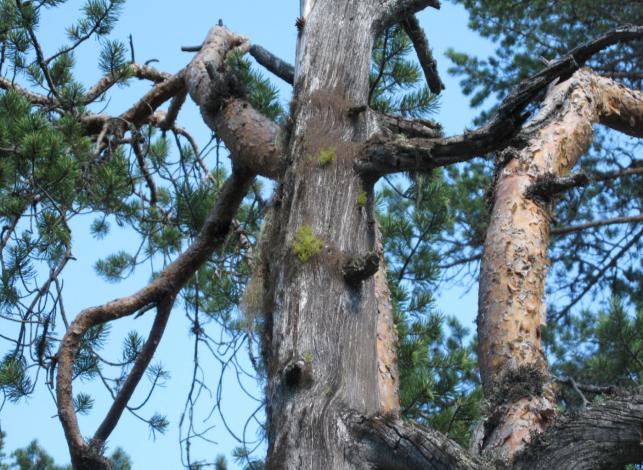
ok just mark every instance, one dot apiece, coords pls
pixel 322 351
pixel 511 308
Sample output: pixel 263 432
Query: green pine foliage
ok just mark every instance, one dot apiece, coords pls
pixel 396 80
pixel 34 457
pixel 602 348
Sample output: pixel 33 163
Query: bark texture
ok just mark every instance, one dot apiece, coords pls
pixel 511 308
pixel 344 328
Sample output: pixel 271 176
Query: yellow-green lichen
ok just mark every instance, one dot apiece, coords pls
pixel 362 197
pixel 306 244
pixel 326 156
pixel 308 358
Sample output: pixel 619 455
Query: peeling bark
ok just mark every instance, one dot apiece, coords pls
pixel 511 309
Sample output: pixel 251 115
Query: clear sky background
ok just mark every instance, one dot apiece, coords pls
pixel 159 29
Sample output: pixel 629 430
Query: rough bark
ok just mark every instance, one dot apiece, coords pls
pixel 312 311
pixel 608 435
pixel 511 308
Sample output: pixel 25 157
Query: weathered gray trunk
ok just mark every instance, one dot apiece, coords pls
pixel 322 332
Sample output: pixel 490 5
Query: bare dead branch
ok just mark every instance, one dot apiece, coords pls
pixel 429 65
pixel 385 155
pixel 142 72
pixel 597 223
pixel 394 11
pixel 408 127
pixel 274 64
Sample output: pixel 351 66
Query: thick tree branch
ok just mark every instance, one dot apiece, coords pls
pixel 429 65
pixel 597 223
pixel 606 435
pixel 395 11
pixel 250 136
pixel 384 155
pixel 160 290
pixel 514 263
pixel 386 443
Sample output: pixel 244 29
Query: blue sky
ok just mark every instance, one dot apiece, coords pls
pixel 159 29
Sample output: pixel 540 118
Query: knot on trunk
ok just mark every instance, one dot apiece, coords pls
pixel 357 268
pixel 299 373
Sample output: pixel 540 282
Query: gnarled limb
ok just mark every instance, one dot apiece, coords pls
pixel 386 443
pixel 251 137
pixel 511 305
pixel 605 435
pixel 383 155
pixel 160 291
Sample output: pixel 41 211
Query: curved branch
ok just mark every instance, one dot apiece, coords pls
pixel 251 137
pixel 606 435
pixel 162 288
pixel 386 443
pixel 164 307
pixel 142 72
